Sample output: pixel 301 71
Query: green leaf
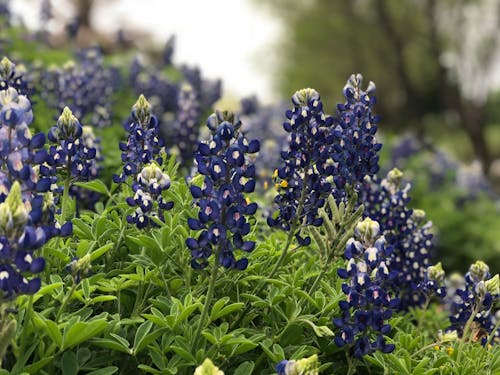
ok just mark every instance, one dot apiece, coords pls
pixel 104 371
pixel 320 331
pixel 69 363
pixel 141 334
pixel 216 314
pixel 53 332
pixel 111 344
pixel 101 251
pixel 183 353
pixel 245 368
pixel 102 299
pixel 94 185
pixel 35 367
pixel 80 332
pixel 46 290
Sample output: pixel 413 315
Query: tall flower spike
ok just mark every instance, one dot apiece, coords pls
pixel 84 85
pixel 84 197
pixel 69 152
pixel 143 144
pixel 228 175
pixel 475 295
pixel 369 304
pixel 356 151
pixel 183 132
pixel 23 159
pixel 407 230
pixel 26 214
pixel 301 181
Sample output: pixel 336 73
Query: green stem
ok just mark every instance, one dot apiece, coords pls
pixel 65 197
pixel 316 282
pixel 350 363
pixel 492 334
pixel 66 300
pixel 208 302
pixel 422 312
pixel 467 329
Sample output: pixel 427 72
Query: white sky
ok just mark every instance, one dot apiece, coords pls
pixel 226 38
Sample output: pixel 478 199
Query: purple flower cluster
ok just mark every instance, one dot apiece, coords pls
pixel 183 132
pixel 148 189
pixel 142 161
pixel 355 127
pixel 143 144
pixel 88 140
pixel 70 153
pixel 228 175
pixel 475 297
pixel 27 219
pixel 369 303
pixel 405 229
pixel 302 180
pixel 10 77
pixel 85 86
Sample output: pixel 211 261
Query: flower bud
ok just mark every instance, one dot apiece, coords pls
pixel 493 285
pixel 208 368
pixel 447 336
pixel 304 96
pixel 436 272
pixel 479 270
pixel 368 230
pixel 142 110
pixel 6 68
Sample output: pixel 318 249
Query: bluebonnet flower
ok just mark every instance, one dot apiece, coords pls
pixel 182 133
pixel 475 296
pixel 369 304
pixel 10 77
pixel 152 83
pixel 85 86
pixel 84 197
pixel 143 144
pixel 302 180
pixel 228 175
pixel 207 91
pixel 27 219
pixel 249 105
pixel 70 153
pixel 148 189
pixel 433 282
pixel 407 230
pixel 304 366
pixel 356 151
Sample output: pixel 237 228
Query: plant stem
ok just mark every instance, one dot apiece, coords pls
pixel 352 368
pixel 423 311
pixel 65 302
pixel 467 329
pixel 65 196
pixel 208 302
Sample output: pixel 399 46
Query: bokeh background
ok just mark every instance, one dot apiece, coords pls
pixel 436 65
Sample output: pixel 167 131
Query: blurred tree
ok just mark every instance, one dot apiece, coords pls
pixel 427 57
